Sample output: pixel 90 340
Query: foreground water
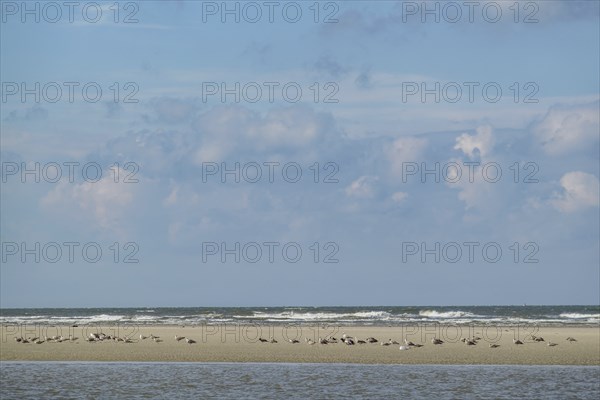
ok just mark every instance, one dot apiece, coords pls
pixel 363 315
pixel 83 380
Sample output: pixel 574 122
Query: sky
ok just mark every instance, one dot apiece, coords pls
pixel 190 153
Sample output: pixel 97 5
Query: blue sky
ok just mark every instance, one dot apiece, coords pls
pixel 367 59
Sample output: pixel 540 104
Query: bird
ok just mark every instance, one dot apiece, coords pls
pixel 371 340
pixel 393 341
pixel 293 341
pixel 408 342
pixel 323 341
pixel 190 341
pixel 552 344
pixel 517 341
pixel 157 340
pixel 470 342
pixel 142 337
pixel 570 339
pixel 310 341
pixel 437 341
pixel 349 341
pixel 18 339
pixel 38 341
pixel 385 343
pixel 494 345
pixel 179 338
pixel 154 337
pixel 272 340
pixel 262 340
pixel 404 347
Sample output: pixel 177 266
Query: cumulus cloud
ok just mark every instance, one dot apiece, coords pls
pixel 480 144
pixel 363 187
pixel 105 200
pixel 227 129
pixel 580 191
pixel 405 149
pixel 399 197
pixel 568 128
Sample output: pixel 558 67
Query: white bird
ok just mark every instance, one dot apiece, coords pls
pixel 404 347
pixel 142 337
pixel 179 338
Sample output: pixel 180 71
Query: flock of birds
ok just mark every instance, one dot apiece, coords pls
pixel 348 340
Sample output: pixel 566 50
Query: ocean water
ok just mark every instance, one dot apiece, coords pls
pixel 384 316
pixel 84 380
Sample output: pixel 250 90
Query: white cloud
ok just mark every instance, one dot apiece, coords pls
pixel 568 128
pixel 482 142
pixel 362 187
pixel 580 190
pixel 405 149
pixel 399 197
pixel 105 200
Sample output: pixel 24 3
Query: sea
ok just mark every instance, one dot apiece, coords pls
pixel 376 316
pixel 85 380
pixel 177 380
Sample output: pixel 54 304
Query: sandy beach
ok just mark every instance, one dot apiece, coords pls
pixel 240 343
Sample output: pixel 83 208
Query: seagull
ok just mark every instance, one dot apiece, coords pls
pixel 18 339
pixel 179 338
pixel 190 341
pixel 142 337
pixel 408 343
pixel 385 343
pixel 494 345
pixel 262 340
pixel 437 341
pixel 517 341
pixel 570 339
pixel 349 341
pixel 310 341
pixel 293 341
pixel 323 341
pixel 470 342
pixel 552 344
pixel 404 347
pixel 371 340
pixel 38 341
pixel 154 337
pixel 272 340
pixel 157 340
pixel 539 339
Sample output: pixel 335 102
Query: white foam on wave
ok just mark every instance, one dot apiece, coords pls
pixel 308 316
pixel 446 314
pixel 579 316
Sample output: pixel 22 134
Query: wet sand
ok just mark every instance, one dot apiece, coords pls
pixel 239 343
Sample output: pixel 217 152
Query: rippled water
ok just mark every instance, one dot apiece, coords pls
pixel 363 315
pixel 83 380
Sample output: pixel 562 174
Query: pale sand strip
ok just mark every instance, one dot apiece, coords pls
pixel 238 343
